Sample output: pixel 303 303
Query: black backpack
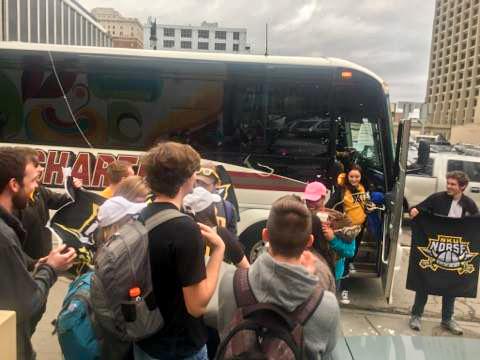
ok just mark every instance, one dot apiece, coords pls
pixel 265 331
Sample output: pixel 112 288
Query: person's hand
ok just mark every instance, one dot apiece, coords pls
pixel 370 207
pixel 61 260
pixel 414 212
pixel 39 262
pixel 77 183
pixel 214 241
pixel 328 232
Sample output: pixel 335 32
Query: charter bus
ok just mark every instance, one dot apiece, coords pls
pixel 274 122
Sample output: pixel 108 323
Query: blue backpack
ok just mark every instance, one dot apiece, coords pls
pixel 75 322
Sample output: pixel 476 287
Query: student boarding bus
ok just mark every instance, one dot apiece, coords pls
pixel 274 122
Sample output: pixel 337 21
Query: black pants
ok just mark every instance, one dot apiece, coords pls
pixel 448 303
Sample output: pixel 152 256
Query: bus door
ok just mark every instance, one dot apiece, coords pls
pixel 394 213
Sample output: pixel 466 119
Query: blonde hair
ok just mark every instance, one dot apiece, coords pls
pixel 104 234
pixel 133 188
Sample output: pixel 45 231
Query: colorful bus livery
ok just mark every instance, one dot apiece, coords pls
pixel 273 122
pixel 112 109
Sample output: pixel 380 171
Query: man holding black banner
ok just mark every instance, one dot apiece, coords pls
pixel 451 203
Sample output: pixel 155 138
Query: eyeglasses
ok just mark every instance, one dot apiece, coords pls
pixel 209 173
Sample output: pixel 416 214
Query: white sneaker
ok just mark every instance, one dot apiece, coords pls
pixel 344 297
pixel 351 268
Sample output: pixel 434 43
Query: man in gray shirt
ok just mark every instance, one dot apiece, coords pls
pixel 283 276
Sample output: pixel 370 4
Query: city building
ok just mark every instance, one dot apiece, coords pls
pixel 50 22
pixel 416 111
pixel 125 32
pixel 206 37
pixel 453 87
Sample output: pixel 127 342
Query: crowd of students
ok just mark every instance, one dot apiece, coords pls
pixel 307 247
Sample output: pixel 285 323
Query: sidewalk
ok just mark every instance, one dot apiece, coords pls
pixel 354 323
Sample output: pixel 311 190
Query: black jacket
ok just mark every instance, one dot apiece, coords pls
pixel 34 218
pixel 440 203
pixel 20 291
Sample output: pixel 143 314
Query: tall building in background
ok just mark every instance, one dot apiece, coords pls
pixel 50 22
pixel 206 37
pixel 453 87
pixel 125 32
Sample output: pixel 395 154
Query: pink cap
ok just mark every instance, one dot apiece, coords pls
pixel 314 191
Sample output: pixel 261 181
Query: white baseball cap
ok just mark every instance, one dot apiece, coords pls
pixel 115 209
pixel 200 199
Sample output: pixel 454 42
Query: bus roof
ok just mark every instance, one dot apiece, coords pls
pixel 191 55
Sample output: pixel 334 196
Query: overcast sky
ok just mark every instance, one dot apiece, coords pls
pixel 390 37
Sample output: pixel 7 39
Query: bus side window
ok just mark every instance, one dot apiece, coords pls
pixel 242 116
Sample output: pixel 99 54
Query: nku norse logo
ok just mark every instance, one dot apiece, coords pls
pixel 448 253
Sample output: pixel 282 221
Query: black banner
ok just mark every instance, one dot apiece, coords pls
pixel 444 256
pixel 75 223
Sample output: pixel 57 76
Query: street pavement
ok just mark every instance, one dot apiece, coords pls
pixel 354 322
pixel 368 313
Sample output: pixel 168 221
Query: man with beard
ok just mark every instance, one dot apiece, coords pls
pixel 23 292
pixel 35 216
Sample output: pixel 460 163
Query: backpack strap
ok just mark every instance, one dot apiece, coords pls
pixel 162 217
pixel 241 286
pixel 302 313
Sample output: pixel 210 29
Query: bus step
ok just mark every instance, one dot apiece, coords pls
pixel 370 248
pixel 364 269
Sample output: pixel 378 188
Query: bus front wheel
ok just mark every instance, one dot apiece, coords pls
pixel 252 242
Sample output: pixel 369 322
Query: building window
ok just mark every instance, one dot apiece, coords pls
pixel 43 22
pixel 34 22
pixel 168 43
pixel 236 35
pixel 58 7
pixel 220 35
pixel 220 46
pixel 203 34
pixel 12 20
pixel 203 46
pixel 186 44
pixel 168 32
pixel 186 33
pixel 235 47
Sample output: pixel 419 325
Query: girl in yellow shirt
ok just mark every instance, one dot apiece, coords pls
pixel 351 198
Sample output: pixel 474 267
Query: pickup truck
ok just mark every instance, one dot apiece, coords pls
pixel 431 177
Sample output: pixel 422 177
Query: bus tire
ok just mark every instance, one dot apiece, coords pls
pixel 251 240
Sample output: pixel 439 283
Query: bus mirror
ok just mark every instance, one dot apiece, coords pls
pixel 423 153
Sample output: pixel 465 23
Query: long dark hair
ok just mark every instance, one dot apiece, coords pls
pixel 321 245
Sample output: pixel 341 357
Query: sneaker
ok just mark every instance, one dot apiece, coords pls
pixel 351 268
pixel 345 276
pixel 344 297
pixel 414 323
pixel 452 326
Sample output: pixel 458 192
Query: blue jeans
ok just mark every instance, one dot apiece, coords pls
pixel 202 354
pixel 448 303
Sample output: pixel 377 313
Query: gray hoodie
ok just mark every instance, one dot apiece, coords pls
pixel 287 286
